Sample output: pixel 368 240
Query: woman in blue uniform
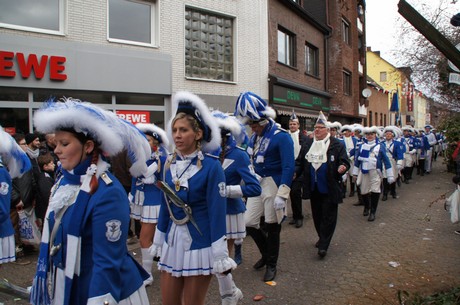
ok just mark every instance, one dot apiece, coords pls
pixel 145 196
pixel 190 235
pixel 241 182
pixel 13 163
pixel 83 254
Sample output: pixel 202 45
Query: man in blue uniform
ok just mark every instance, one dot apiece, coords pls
pixel 272 154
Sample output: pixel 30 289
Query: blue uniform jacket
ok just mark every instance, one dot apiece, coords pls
pixel 238 168
pixel 279 159
pixel 382 158
pixel 106 266
pixel 6 228
pixel 206 197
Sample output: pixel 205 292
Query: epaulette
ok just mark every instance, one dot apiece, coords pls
pixel 211 155
pixel 241 148
pixel 106 178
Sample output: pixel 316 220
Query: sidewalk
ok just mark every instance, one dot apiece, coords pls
pixel 413 233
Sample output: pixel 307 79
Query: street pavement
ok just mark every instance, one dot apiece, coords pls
pixel 411 246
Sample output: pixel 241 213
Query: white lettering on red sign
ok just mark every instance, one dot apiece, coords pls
pixel 134 116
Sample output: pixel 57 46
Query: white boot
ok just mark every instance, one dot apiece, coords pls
pixel 147 263
pixel 230 294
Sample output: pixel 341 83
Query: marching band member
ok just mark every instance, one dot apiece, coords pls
pixel 395 152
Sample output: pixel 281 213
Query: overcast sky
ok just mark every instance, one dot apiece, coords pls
pixel 381 19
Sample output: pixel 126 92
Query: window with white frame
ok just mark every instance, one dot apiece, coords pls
pixel 383 76
pixel 311 60
pixel 346 82
pixel 209 45
pixel 44 16
pixel 346 32
pixel 286 47
pixel 133 22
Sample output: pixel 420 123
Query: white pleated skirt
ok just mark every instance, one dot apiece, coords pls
pixel 178 260
pixel 236 227
pixel 7 249
pixel 145 213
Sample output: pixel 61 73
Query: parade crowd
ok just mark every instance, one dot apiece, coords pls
pixel 192 191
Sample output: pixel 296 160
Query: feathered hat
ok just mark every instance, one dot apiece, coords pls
pixel 346 127
pixel 357 128
pixel 230 124
pixel 336 125
pixel 392 129
pixel 372 129
pixel 193 105
pixel 15 159
pixel 154 131
pixel 293 117
pixel 110 132
pixel 251 107
pixel 322 119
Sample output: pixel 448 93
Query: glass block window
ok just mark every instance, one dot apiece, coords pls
pixel 209 45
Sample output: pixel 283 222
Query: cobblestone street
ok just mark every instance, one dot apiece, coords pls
pixel 413 231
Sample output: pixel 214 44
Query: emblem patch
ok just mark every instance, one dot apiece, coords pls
pixel 222 189
pixel 113 232
pixel 4 187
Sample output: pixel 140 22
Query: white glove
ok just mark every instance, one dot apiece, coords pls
pixel 279 203
pixel 391 179
pixel 233 191
pixel 222 262
pixel 413 151
pixel 149 175
pixel 156 247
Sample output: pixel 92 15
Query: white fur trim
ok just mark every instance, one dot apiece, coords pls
pixel 152 128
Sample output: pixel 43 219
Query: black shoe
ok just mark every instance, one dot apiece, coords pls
pixel 322 253
pixel 385 197
pixel 260 264
pixel 366 212
pixel 292 222
pixel 352 193
pixel 270 274
pixel 371 217
pixel 298 223
pixel 394 196
pixel 358 204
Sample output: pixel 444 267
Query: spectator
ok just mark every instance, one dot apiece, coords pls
pixel 44 184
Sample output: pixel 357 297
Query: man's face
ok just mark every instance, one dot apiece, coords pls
pixel 320 131
pixel 427 130
pixel 389 135
pixel 346 133
pixel 293 126
pixel 257 128
pixel 370 136
pixel 35 144
pixel 333 132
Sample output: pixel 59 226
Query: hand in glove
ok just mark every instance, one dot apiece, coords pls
pixel 280 203
pixel 149 175
pixel 233 191
pixel 156 247
pixel 391 179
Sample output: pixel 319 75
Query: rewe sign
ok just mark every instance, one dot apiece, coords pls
pixel 28 63
pixel 134 116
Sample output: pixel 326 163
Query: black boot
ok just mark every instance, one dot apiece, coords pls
pixel 366 203
pixel 421 166
pixel 385 189
pixel 393 190
pixel 273 248
pixel 261 242
pixel 374 203
pixel 411 170
pixel 352 189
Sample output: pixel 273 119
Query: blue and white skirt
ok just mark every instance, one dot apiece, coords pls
pixel 145 213
pixel 177 259
pixel 7 249
pixel 236 227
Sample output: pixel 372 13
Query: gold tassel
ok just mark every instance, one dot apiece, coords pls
pixel 198 162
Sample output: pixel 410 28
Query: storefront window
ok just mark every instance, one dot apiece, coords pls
pixel 14 120
pixel 13 95
pixel 139 99
pixel 95 98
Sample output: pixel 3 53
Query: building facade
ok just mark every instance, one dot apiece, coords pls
pixel 129 57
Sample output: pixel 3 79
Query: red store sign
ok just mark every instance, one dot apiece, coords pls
pixel 32 63
pixel 134 116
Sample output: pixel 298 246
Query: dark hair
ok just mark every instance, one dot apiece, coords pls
pixel 456 179
pixel 18 137
pixel 81 137
pixel 44 159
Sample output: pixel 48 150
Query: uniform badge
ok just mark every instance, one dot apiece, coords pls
pixel 332 158
pixel 4 187
pixel 222 189
pixel 113 232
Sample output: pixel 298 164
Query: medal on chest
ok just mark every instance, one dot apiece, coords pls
pixel 177 185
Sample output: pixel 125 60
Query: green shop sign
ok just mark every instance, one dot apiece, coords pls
pixel 289 97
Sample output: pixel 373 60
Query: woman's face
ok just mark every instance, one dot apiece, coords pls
pixel 70 150
pixel 153 143
pixel 185 138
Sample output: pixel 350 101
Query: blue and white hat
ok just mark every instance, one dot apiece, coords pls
pixel 357 128
pixel 429 126
pixel 346 127
pixel 336 125
pixel 230 124
pixel 15 159
pixel 372 129
pixel 251 107
pixel 294 117
pixel 110 132
pixel 193 105
pixel 154 131
pixel 322 119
